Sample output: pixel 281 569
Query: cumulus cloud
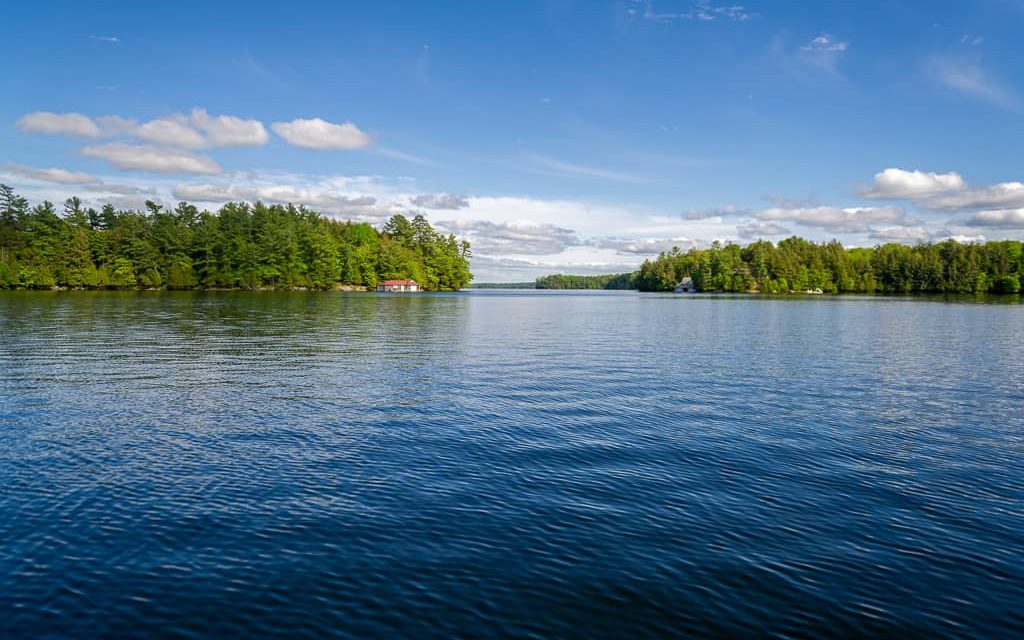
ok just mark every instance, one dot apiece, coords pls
pixel 760 230
pixel 440 201
pixel 229 131
pixel 901 234
pixel 322 135
pixel 67 124
pixel 515 237
pixel 1005 195
pixel 946 234
pixel 53 174
pixel 316 198
pixel 706 214
pixel 112 126
pixel 195 131
pixel 173 131
pixel 998 218
pixel 840 219
pixel 152 159
pixel 121 189
pixel 646 246
pixel 896 183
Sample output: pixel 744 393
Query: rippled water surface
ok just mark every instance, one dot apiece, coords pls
pixel 518 464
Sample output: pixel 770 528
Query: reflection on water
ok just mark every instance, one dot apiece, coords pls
pixel 509 464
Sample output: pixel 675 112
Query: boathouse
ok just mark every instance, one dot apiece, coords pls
pixel 686 286
pixel 398 286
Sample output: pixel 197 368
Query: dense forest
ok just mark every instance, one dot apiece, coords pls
pixel 796 264
pixel 612 281
pixel 242 245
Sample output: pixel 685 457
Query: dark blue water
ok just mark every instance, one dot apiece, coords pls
pixel 513 464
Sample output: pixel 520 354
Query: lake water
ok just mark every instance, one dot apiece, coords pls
pixel 515 464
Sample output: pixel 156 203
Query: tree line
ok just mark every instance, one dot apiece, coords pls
pixel 608 281
pixel 241 245
pixel 796 264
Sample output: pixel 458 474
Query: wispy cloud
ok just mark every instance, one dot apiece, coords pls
pixel 390 152
pixel 824 42
pixel 108 39
pixel 968 77
pixel 821 54
pixel 551 166
pixel 700 11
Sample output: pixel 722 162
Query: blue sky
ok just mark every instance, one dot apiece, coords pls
pixel 557 136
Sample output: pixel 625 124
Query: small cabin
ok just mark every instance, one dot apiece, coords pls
pixel 398 286
pixel 686 286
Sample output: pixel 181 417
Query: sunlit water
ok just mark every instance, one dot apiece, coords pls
pixel 520 464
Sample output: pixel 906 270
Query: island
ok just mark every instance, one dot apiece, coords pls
pixel 240 246
pixel 800 266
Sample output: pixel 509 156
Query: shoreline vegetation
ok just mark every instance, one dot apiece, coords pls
pixel 240 246
pixel 796 265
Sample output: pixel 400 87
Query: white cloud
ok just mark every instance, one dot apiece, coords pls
pixel 895 183
pixel 318 198
pixel 397 154
pixel 108 39
pixel 440 201
pixel 320 134
pixel 706 214
pixel 840 219
pixel 495 269
pixel 760 230
pixel 551 166
pixel 152 159
pixel 229 131
pixel 173 131
pixel 196 131
pixel 112 126
pixel 998 218
pixel 68 124
pixel 969 78
pixel 53 174
pixel 646 246
pixel 946 234
pixel 701 11
pixel 519 237
pixel 1005 195
pixel 121 189
pixel 824 42
pixel 901 234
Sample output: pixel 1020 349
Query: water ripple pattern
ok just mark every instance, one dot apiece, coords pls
pixel 509 464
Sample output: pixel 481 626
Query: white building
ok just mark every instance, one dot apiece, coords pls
pixel 398 286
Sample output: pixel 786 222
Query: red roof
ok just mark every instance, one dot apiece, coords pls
pixel 397 282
